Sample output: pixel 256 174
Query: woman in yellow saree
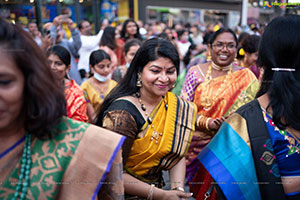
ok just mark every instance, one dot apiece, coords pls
pixel 157 124
pixel 218 88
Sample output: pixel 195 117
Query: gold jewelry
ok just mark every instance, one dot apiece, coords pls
pixel 223 69
pixel 207 124
pixel 155 134
pixel 207 102
pixel 202 122
pixel 151 192
pixel 208 58
pixel 139 81
pixel 178 188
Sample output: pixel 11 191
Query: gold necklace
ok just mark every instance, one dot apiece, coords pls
pixel 155 134
pixel 206 101
pixel 217 67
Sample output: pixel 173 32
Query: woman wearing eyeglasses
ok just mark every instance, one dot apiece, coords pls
pixel 218 88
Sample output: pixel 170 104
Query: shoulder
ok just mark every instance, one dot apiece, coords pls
pixel 249 109
pixel 86 83
pixel 124 109
pixel 124 103
pixel 113 82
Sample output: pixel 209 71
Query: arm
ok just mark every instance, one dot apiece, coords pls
pixel 136 187
pixel 76 43
pixel 177 174
pixel 113 187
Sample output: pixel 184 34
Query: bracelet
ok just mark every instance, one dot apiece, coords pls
pixel 178 188
pixel 198 121
pixel 207 123
pixel 151 191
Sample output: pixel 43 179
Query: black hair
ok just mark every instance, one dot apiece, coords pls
pixel 219 32
pixel 180 33
pixel 44 103
pixel 131 42
pixel 97 56
pixel 280 48
pixel 150 50
pixel 61 52
pixel 79 26
pixel 188 56
pixel 250 44
pixel 242 37
pixel 108 37
pixel 123 33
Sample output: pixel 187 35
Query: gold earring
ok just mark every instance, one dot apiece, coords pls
pixel 236 61
pixel 139 81
pixel 208 58
pixel 173 86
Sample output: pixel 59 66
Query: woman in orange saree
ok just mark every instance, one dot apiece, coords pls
pixel 218 88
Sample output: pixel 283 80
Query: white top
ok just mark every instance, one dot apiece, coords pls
pixel 89 43
pixel 183 47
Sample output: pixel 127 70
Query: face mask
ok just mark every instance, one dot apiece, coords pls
pixel 101 78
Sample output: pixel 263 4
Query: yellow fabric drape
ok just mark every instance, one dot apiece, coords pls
pixel 176 125
pixel 92 95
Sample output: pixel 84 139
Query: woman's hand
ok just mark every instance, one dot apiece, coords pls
pixel 174 195
pixel 214 124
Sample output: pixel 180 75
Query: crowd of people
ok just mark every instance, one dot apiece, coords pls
pixel 102 116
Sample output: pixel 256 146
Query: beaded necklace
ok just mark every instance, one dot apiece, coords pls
pixel 21 189
pixel 155 133
pixel 206 101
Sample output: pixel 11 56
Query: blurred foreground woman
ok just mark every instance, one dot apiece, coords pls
pixel 43 154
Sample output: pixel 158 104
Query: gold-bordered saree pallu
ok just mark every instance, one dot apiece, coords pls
pixel 240 88
pixel 166 140
pixel 71 165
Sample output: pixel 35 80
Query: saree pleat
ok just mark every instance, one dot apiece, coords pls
pixel 176 123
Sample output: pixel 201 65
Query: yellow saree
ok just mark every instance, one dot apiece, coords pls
pixel 166 139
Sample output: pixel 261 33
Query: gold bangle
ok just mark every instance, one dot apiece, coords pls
pixel 151 191
pixel 178 188
pixel 207 123
pixel 198 121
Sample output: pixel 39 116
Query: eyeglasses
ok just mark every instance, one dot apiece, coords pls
pixel 221 45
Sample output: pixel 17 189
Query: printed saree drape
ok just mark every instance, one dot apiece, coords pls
pixel 73 164
pixel 240 88
pixel 76 103
pixel 241 159
pixel 166 140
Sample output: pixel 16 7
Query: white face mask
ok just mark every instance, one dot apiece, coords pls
pixel 101 78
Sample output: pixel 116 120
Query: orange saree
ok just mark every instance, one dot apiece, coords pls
pixel 240 88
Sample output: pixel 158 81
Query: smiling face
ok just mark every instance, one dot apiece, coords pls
pixel 223 49
pixel 58 67
pixel 158 77
pixel 11 92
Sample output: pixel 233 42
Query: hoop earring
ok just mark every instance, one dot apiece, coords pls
pixel 139 81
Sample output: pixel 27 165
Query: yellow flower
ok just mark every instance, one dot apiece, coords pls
pixel 241 52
